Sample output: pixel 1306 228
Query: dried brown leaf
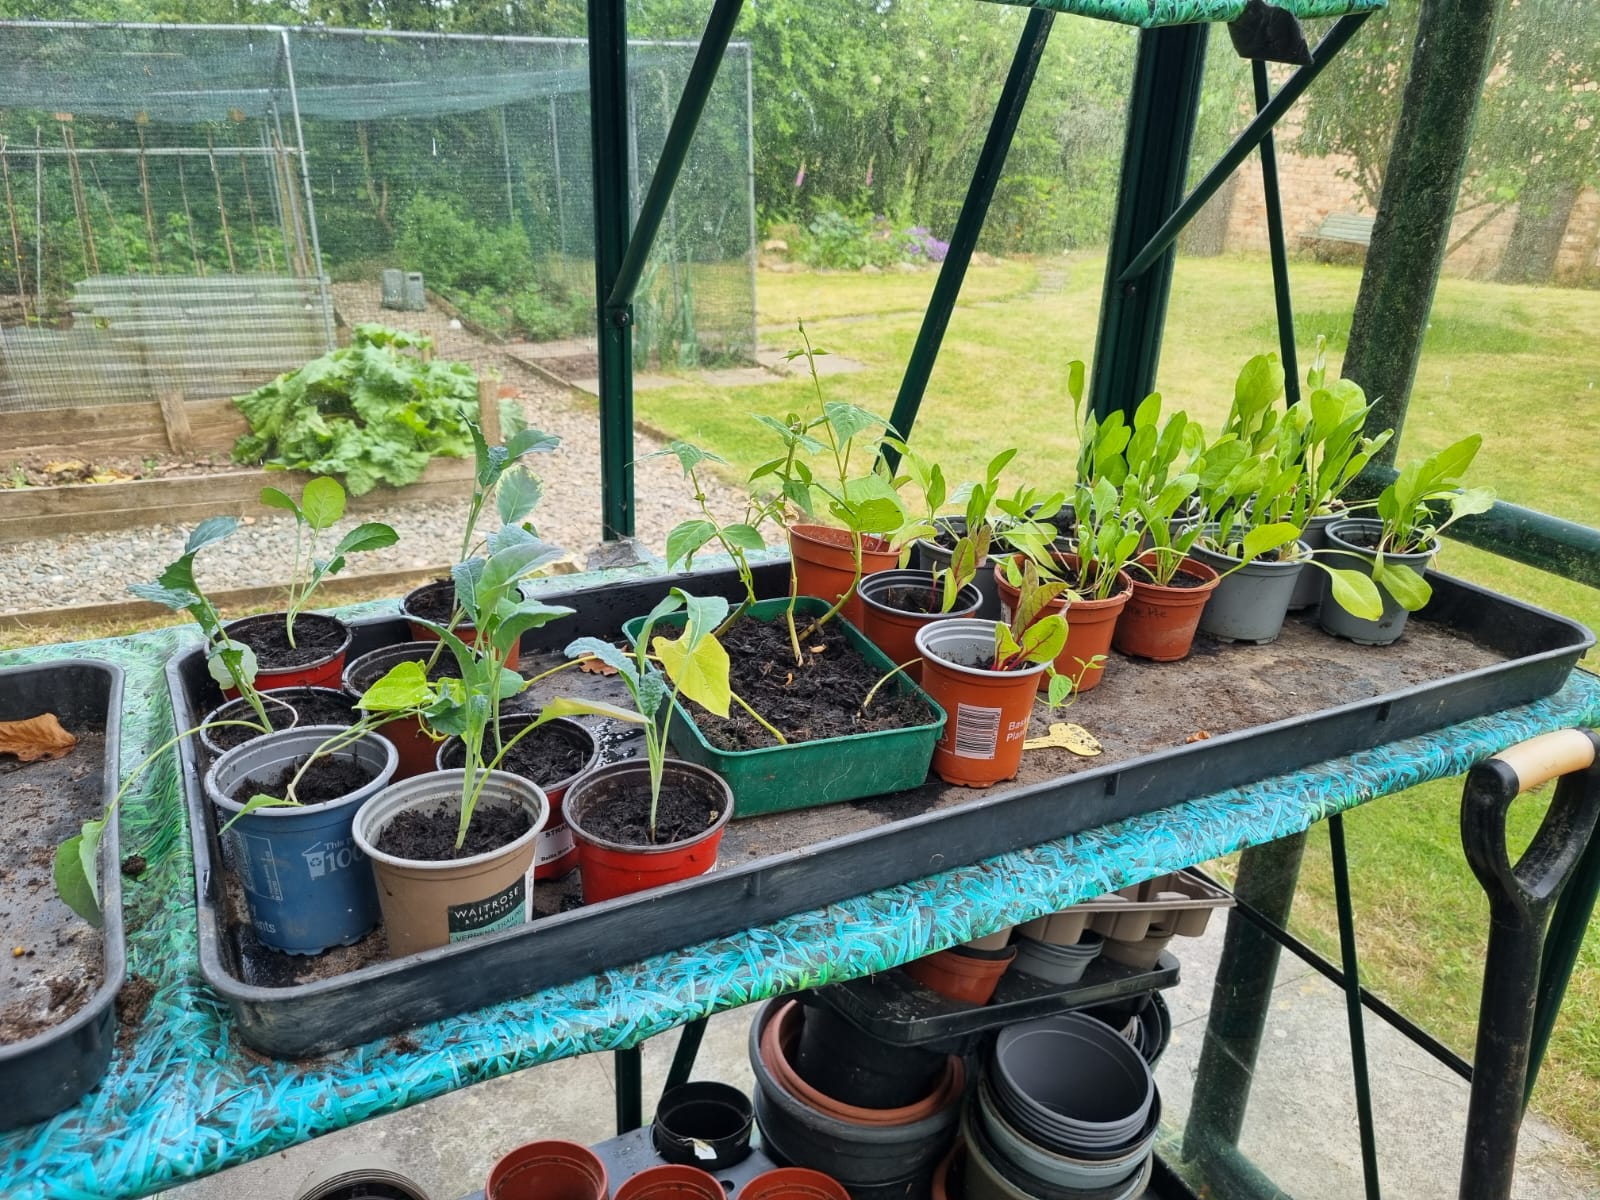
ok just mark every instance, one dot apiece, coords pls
pixel 36 738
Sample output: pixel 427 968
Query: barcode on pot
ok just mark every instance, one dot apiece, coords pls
pixel 977 731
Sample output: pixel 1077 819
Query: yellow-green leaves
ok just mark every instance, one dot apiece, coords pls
pixel 699 670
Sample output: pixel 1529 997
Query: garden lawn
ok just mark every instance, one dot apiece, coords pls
pixel 1521 365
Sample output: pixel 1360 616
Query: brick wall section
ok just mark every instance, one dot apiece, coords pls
pixel 1312 188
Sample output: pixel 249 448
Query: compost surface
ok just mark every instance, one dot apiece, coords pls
pixel 317 709
pixel 313 642
pixel 228 736
pixel 431 836
pixel 818 698
pixel 434 602
pixel 544 756
pixel 62 960
pixel 326 779
pixel 687 809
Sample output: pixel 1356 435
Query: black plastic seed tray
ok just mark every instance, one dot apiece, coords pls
pixel 625 1156
pixel 895 1008
pixel 46 1073
pixel 1471 652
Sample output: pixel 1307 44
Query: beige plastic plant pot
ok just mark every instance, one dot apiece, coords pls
pixel 428 904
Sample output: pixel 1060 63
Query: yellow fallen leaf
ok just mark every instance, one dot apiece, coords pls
pixel 1066 736
pixel 36 738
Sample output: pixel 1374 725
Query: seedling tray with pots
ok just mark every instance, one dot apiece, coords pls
pixel 1226 717
pixel 1181 903
pixel 834 769
pixel 46 802
pixel 627 1155
pixel 895 1008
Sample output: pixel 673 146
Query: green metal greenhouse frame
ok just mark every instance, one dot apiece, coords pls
pixel 1152 208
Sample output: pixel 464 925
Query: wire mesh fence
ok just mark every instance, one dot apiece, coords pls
pixel 185 205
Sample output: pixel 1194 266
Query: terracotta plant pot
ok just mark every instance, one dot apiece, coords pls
pixel 548 1171
pixel 824 564
pixel 793 1183
pixel 554 851
pixel 323 671
pixel 894 630
pixel 1159 623
pixel 1089 624
pixel 466 631
pixel 427 904
pixel 611 869
pixel 417 748
pixel 671 1181
pixel 969 978
pixel 780 1040
pixel 981 743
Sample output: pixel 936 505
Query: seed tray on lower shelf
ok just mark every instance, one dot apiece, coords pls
pixel 625 1156
pixel 1264 711
pixel 895 1008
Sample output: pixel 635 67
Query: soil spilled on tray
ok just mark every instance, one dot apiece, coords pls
pixel 818 698
pixel 61 964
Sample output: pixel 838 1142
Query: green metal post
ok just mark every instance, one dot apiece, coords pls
pixel 702 75
pixel 991 158
pixel 629 1063
pixel 1162 108
pixel 1352 998
pixel 1253 135
pixel 1241 997
pixel 683 1057
pixel 1276 244
pixel 608 130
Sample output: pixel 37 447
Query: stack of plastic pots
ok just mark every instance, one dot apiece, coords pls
pixel 1068 1109
pixel 876 1153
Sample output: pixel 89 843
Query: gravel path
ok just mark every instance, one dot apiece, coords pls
pixel 96 568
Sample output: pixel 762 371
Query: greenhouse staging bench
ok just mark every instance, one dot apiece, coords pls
pixel 186 1097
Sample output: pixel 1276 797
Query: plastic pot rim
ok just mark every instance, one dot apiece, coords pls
pixel 970 631
pixel 572 804
pixel 516 721
pixel 343 647
pixel 451 781
pixel 322 733
pixel 968 599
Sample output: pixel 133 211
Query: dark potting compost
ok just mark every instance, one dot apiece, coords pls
pixel 1268 709
pixel 1183 579
pixel 545 756
pixel 326 779
pixel 620 811
pixel 226 737
pixel 913 599
pixel 319 706
pixel 60 966
pixel 818 698
pixel 430 836
pixel 433 602
pixel 315 638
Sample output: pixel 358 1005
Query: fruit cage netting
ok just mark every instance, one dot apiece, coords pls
pixel 184 207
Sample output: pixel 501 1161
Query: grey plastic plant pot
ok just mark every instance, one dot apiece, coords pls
pixel 1055 963
pixel 933 557
pixel 1052 1166
pixel 306 882
pixel 1348 548
pixel 281 715
pixel 428 904
pixel 1251 602
pixel 1071 1080
pixel 359 1175
pixel 988 1176
pixel 1308 588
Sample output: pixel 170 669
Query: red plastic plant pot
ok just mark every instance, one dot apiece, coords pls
pixel 610 869
pixel 674 1181
pixel 967 978
pixel 466 631
pixel 824 564
pixel 548 1171
pixel 989 711
pixel 1159 623
pixel 325 671
pixel 793 1183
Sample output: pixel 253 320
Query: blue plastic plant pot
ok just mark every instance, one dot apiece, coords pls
pixel 308 885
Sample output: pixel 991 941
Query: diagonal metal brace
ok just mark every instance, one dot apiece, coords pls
pixel 696 90
pixel 1253 135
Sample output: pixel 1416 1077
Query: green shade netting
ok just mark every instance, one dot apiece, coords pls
pixel 1150 14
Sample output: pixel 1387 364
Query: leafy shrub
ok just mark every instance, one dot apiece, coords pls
pixel 370 412
pixel 456 253
pixel 834 240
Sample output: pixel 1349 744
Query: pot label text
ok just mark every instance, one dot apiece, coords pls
pixel 504 910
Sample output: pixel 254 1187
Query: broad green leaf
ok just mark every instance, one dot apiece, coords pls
pixel 272 497
pixel 1260 383
pixel 322 502
pixel 517 494
pixel 212 529
pixel 1044 639
pixel 513 562
pixel 744 536
pixel 699 668
pixel 369 535
pixel 847 420
pixel 1265 538
pixel 703 614
pixel 77 872
pixel 468 576
pixel 404 686
pixel 1005 646
pixel 998 463
pixel 1060 689
pixel 880 515
pixel 569 706
pixel 1355 592
pixel 604 651
pixel 525 615
pixel 176 599
pixel 686 539
pixel 1075 375
pixel 529 441
pixel 1410 590
pixel 1471 502
pixel 1452 462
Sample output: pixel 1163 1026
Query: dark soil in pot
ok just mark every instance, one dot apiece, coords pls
pixel 621 812
pixel 63 961
pixel 316 638
pixel 316 706
pixel 326 779
pixel 545 756
pixel 912 599
pixel 434 602
pixel 226 737
pixel 821 698
pixel 1182 579
pixel 431 836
